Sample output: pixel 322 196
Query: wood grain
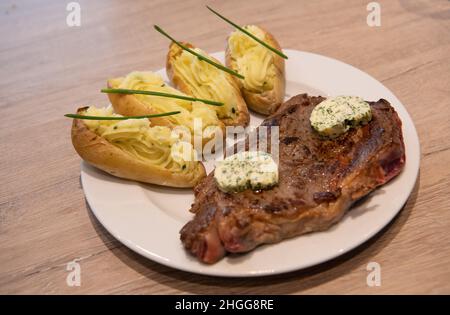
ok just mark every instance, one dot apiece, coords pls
pixel 48 69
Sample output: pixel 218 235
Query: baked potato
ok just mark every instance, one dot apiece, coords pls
pixel 264 71
pixel 138 104
pixel 200 79
pixel 132 149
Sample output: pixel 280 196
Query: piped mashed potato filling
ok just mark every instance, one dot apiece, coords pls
pixel 150 144
pixel 189 110
pixel 208 82
pixel 252 60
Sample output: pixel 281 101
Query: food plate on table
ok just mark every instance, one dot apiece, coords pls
pixel 147 218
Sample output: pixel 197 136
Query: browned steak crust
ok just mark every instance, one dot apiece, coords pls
pixel 318 181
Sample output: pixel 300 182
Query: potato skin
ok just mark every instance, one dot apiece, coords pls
pixel 129 105
pixel 98 152
pixel 242 119
pixel 268 102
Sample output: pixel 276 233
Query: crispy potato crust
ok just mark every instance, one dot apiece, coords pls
pixel 100 153
pixel 243 117
pixel 268 102
pixel 130 105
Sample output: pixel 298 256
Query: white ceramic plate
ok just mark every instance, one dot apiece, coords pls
pixel 147 218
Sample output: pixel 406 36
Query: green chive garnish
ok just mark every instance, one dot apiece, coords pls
pixel 78 116
pixel 182 97
pixel 279 53
pixel 199 56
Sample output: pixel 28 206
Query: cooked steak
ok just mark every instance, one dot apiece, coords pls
pixel 319 179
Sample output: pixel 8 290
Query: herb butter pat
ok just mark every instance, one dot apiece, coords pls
pixel 337 115
pixel 251 169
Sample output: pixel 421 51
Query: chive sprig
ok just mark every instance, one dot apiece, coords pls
pixel 199 56
pixel 78 116
pixel 162 94
pixel 279 53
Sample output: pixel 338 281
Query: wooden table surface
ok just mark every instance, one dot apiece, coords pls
pixel 48 69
